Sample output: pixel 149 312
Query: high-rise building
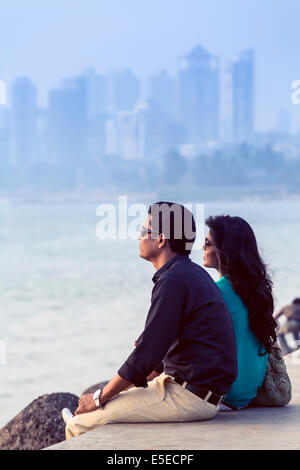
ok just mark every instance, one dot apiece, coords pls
pixel 131 142
pixel 23 121
pixel 111 138
pixel 199 96
pixel 144 133
pixel 125 135
pixel 243 96
pixel 226 104
pixel 97 93
pixel 162 93
pixel 42 128
pixel 97 112
pixel 67 123
pixel 124 91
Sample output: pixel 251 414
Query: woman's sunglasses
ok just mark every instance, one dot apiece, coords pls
pixel 207 243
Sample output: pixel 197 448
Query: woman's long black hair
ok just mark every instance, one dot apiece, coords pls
pixel 240 262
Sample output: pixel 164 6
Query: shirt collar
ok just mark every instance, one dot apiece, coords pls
pixel 166 266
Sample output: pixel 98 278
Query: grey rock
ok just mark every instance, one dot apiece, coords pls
pixel 95 387
pixel 39 425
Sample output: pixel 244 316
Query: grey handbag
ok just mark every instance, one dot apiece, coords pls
pixel 276 389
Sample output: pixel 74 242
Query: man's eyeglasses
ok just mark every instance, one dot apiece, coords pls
pixel 145 231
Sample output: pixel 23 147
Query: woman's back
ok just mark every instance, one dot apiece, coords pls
pixel 251 365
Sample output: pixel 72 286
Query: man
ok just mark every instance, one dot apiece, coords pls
pixel 292 325
pixel 184 362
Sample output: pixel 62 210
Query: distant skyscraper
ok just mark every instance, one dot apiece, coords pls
pixel 23 121
pixel 124 91
pixel 67 122
pixel 97 94
pixel 125 135
pixel 111 137
pixel 162 93
pixel 226 105
pixel 131 145
pixel 243 97
pixel 199 96
pixel 97 111
pixel 144 133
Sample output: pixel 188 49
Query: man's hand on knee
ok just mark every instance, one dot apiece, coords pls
pixel 86 404
pixel 113 388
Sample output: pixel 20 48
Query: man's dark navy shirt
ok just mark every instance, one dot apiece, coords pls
pixel 188 328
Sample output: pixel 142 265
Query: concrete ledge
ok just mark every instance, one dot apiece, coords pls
pixel 249 429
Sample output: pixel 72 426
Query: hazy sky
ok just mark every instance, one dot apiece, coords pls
pixel 52 39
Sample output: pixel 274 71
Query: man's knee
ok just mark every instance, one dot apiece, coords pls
pixel 73 428
pixel 70 431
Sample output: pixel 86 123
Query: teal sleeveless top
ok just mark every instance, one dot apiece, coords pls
pixel 251 366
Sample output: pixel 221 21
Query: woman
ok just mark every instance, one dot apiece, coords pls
pixel 231 248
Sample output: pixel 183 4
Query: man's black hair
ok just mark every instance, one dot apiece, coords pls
pixel 176 222
pixel 296 301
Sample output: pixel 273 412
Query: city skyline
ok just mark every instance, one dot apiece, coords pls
pixel 283 119
pixel 110 131
pixel 95 115
pixel 62 38
pixel 97 131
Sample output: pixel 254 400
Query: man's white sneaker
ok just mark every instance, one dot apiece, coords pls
pixel 66 415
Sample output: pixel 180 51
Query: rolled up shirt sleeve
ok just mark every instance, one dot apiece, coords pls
pixel 161 329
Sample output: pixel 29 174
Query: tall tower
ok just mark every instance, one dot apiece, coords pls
pixel 97 111
pixel 97 94
pixel 162 93
pixel 23 121
pixel 67 123
pixel 199 96
pixel 243 96
pixel 124 91
pixel 226 104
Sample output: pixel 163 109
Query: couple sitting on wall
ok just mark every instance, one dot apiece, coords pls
pixel 205 345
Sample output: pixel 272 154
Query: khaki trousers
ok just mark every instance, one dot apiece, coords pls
pixel 163 401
